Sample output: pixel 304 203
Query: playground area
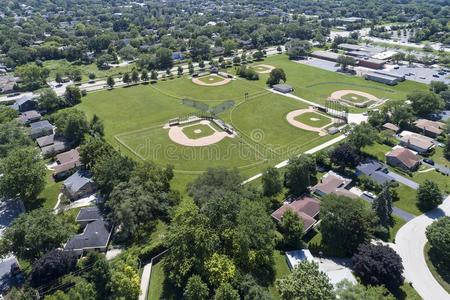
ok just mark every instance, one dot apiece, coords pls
pixel 309 119
pixel 211 80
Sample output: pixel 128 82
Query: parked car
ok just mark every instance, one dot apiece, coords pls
pixel 435 75
pixel 429 161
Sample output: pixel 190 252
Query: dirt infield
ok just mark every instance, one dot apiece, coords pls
pixel 339 94
pixel 177 135
pixel 197 80
pixel 290 117
pixel 269 68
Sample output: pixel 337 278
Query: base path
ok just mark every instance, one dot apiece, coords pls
pixel 177 135
pixel 268 67
pixel 410 242
pixel 224 81
pixel 290 117
pixel 339 94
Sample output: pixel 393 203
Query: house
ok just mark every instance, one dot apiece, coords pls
pixel 68 162
pixel 429 128
pixel 7 82
pixel 79 185
pixel 177 55
pixel 40 128
pixel 58 146
pixel 45 140
pixel 374 170
pixel 28 117
pixel 25 103
pixel 403 158
pixel 416 142
pixel 391 127
pixel 96 234
pixel 217 51
pixel 10 274
pixel 306 208
pixel 283 88
pixel 334 183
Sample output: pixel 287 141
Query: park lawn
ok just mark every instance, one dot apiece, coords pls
pixel 354 98
pixel 440 274
pixel 316 85
pixel 198 131
pixel 313 119
pixel 281 271
pixel 211 79
pixel 49 196
pixel 62 66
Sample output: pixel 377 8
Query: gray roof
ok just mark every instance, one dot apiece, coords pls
pixel 374 170
pixel 284 88
pixel 78 180
pixel 41 125
pixel 22 100
pixel 9 210
pixel 46 140
pixel 88 214
pixel 95 235
pixel 6 281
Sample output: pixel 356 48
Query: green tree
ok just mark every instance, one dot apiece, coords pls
pixel 154 75
pixel 82 290
pixel 92 149
pixel 438 86
pixel 291 228
pixel 33 234
pixel 163 58
pixel 345 223
pixel 180 70
pixel 220 269
pixel 344 61
pixel 425 102
pixel 299 172
pixel 99 273
pixel 126 78
pixel 72 124
pixel 271 180
pixel 12 137
pixel 429 195
pixel 196 289
pixel 382 205
pixel 447 148
pixel 23 175
pixel 362 135
pixel 91 76
pixel 226 292
pixel 346 290
pixel 305 282
pixel 125 282
pixel 49 101
pixel 297 49
pixel 135 76
pixel 72 95
pixel 7 114
pixel 144 75
pixel 276 75
pixel 438 235
pixel 96 128
pixel 110 82
pixel 345 155
pixel 51 266
pixel 32 76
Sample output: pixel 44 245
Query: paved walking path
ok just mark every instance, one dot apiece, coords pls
pixel 145 281
pixel 310 151
pixel 410 242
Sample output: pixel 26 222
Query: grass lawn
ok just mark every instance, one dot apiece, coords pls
pixel 441 180
pixel 439 158
pixel 49 196
pixel 354 98
pixel 156 282
pixel 281 271
pixel 63 66
pixel 316 85
pixel 440 274
pixel 377 151
pixel 313 119
pixel 197 131
pixel 211 79
pixel 398 223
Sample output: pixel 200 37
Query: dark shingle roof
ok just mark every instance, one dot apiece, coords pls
pixel 95 235
pixel 77 181
pixel 88 214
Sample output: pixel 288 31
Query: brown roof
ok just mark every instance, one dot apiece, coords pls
pixel 67 157
pixel 306 209
pixel 417 140
pixel 430 126
pixel 66 167
pixel 404 155
pixel 391 127
pixel 331 182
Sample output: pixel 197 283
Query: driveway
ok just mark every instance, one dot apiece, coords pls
pixel 404 180
pixel 395 210
pixel 409 244
pixel 441 168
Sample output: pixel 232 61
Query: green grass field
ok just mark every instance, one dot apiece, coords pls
pixel 211 79
pixel 439 272
pixel 197 131
pixel 354 98
pixel 316 85
pixel 313 119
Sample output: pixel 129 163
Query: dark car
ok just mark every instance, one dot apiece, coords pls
pixel 429 161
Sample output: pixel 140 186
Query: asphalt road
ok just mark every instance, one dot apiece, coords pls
pixel 410 242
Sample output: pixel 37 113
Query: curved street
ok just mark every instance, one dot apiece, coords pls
pixel 410 242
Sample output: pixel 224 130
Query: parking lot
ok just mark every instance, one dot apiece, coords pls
pixel 319 63
pixel 419 73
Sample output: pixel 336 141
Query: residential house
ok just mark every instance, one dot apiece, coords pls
pixel 306 208
pixel 25 103
pixel 10 274
pixel 7 82
pixel 68 162
pixel 79 185
pixel 51 145
pixel 429 128
pixel 40 129
pixel 96 234
pixel 403 158
pixel 333 183
pixel 416 142
pixel 392 127
pixel 374 170
pixel 28 117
